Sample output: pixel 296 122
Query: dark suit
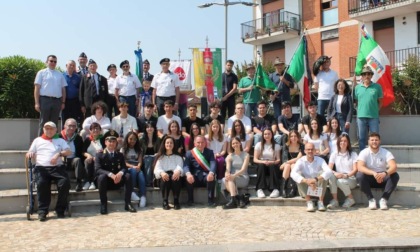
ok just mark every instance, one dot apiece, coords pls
pixel 88 93
pixel 200 175
pixel 346 114
pixel 104 165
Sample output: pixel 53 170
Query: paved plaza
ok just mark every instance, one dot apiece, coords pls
pixel 200 228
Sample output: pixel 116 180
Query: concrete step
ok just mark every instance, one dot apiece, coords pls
pixel 80 206
pixel 404 153
pixel 12 158
pixel 12 178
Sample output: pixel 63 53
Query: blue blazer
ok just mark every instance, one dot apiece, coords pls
pixel 191 165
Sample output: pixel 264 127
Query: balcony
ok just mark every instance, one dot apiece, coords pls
pixel 370 10
pixel 396 58
pixel 275 26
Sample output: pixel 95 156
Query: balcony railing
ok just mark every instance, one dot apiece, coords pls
pixel 276 21
pixel 356 6
pixel 396 58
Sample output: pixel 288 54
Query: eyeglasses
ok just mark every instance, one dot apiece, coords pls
pixel 71 126
pixel 125 66
pixel 53 61
pixel 364 74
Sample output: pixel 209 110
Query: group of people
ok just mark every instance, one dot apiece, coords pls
pixel 123 144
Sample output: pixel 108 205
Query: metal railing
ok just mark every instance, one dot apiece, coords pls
pixel 356 6
pixel 278 20
pixel 396 58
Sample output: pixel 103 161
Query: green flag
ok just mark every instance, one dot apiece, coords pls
pixel 263 81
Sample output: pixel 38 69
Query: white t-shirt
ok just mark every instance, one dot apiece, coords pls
pixel 343 161
pixel 215 145
pixel 377 162
pixel 51 82
pixel 104 122
pixel 268 153
pixel 127 84
pixel 245 120
pixel 338 104
pixel 128 124
pixel 165 84
pixel 163 122
pixel 317 142
pixel 326 81
pixel 332 141
pixel 111 85
pixel 46 149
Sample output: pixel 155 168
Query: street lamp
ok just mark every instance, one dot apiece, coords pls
pixel 226 3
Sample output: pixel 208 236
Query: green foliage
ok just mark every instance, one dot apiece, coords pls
pixel 406 83
pixel 17 75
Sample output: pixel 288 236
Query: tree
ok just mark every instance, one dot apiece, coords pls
pixel 17 75
pixel 406 83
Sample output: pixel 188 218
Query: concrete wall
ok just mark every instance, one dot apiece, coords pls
pixel 404 33
pixel 17 134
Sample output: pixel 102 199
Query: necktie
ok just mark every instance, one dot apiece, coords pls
pixel 112 154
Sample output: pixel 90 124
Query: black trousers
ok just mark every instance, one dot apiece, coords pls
pixel 167 186
pixel 201 181
pixel 112 106
pixel 105 183
pixel 367 182
pixel 76 164
pixel 89 171
pixel 268 177
pixel 159 103
pixel 72 110
pixel 228 105
pixel 50 111
pixel 43 177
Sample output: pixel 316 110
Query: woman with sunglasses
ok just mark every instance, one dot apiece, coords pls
pixel 239 130
pixel 341 105
pixel 93 144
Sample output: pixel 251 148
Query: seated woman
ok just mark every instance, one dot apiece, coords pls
pixel 150 144
pixel 93 144
pixel 267 157
pixel 189 140
pixel 133 159
pixel 175 132
pixel 344 177
pixel 239 130
pixel 318 139
pixel 341 105
pixel 168 169
pixel 217 142
pixel 332 133
pixel 292 150
pixel 99 110
pixel 236 175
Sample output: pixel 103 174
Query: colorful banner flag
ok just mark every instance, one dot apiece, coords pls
pixel 263 81
pixel 371 54
pixel 183 70
pixel 300 71
pixel 217 72
pixel 198 61
pixel 139 64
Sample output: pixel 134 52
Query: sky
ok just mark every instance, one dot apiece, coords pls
pixel 108 31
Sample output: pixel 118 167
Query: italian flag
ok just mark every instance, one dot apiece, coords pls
pixel 371 54
pixel 299 70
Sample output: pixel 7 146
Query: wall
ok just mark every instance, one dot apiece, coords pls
pixel 405 35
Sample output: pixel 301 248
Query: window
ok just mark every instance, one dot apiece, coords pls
pixel 329 12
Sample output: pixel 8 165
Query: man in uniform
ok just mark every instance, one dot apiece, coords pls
pixel 200 169
pixel 48 150
pixel 112 173
pixel 83 69
pixel 146 74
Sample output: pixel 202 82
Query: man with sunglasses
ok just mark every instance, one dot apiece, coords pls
pixel 49 93
pixel 368 96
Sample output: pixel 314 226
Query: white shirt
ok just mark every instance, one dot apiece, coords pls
pixel 165 84
pixel 377 162
pixel 338 104
pixel 305 169
pixel 94 147
pixel 111 85
pixel 46 149
pixel 104 122
pixel 163 122
pixel 317 142
pixel 245 120
pixel 215 145
pixel 343 161
pixel 326 81
pixel 243 143
pixel 168 163
pixel 332 142
pixel 51 82
pixel 127 85
pixel 268 153
pixel 128 124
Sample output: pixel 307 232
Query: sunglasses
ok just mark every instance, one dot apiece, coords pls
pixel 364 74
pixel 125 66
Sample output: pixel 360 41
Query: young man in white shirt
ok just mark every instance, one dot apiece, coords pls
pixel 164 120
pixel 378 169
pixel 123 123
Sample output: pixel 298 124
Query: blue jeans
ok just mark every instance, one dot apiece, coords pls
pixel 342 121
pixel 249 108
pixel 139 180
pixel 182 110
pixel 131 101
pixel 277 108
pixel 366 125
pixel 322 106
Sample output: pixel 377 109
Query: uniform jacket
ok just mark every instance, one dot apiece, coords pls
pixel 104 164
pixel 87 90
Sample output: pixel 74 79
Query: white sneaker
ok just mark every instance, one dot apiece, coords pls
pixel 321 206
pixel 310 207
pixel 333 204
pixel 134 197
pixel 142 201
pixel 372 204
pixel 92 186
pixel 275 194
pixel 383 204
pixel 348 203
pixel 86 186
pixel 260 193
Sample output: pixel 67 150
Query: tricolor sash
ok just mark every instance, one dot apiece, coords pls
pixel 201 160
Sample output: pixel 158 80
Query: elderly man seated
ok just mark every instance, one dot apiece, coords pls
pixel 48 149
pixel 311 171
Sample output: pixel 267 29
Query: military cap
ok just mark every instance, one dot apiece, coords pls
pixel 125 62
pixel 164 60
pixel 111 135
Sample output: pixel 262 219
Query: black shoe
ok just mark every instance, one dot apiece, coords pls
pixel 211 204
pixel 241 201
pixel 60 215
pixel 190 203
pixel 231 204
pixel 165 205
pixel 42 217
pixel 104 209
pixel 130 208
pixel 176 204
pixel 79 187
